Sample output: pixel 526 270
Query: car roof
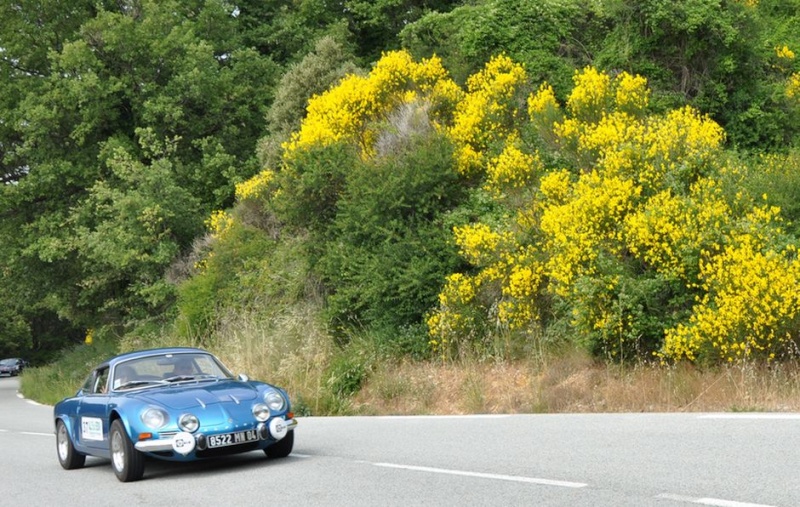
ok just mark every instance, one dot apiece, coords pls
pixel 152 352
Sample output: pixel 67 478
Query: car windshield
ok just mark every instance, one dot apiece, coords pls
pixel 167 368
pixel 8 362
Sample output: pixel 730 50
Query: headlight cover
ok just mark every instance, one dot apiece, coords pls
pixel 274 400
pixel 189 423
pixel 154 418
pixel 261 412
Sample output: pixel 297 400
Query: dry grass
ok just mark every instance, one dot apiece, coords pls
pixel 574 383
pixel 292 350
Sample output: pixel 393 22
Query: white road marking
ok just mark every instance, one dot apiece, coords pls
pixel 37 434
pixel 20 396
pixel 296 455
pixel 727 503
pixel 751 415
pixel 677 498
pixel 499 477
pixel 454 416
pixel 716 502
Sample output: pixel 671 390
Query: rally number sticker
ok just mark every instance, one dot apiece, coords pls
pixel 91 428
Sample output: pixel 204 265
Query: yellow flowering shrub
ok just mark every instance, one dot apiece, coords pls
pixel 640 223
pixel 509 270
pixel 255 187
pixel 555 186
pixel 219 223
pixel 615 142
pixel 669 231
pixel 351 110
pixel 521 286
pixel 512 169
pixel 793 87
pixel 784 52
pixel 487 113
pixel 544 111
pixel 592 95
pixel 632 94
pixel 453 321
pixel 543 103
pixel 478 243
pixel 749 308
pixel 589 222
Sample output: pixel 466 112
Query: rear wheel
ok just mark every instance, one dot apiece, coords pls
pixel 282 447
pixel 67 455
pixel 127 462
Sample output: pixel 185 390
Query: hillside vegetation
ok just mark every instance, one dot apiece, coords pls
pixel 547 200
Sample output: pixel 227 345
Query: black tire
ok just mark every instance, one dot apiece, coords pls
pixel 282 447
pixel 127 462
pixel 68 457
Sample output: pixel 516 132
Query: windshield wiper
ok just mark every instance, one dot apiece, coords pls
pixel 134 383
pixel 199 376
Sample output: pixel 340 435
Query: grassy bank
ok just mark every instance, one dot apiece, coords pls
pixel 321 382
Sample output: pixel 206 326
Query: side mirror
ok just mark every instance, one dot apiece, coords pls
pixel 242 377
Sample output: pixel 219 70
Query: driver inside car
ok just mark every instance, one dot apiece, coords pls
pixel 183 366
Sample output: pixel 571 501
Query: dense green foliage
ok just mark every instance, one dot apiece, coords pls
pixel 125 125
pixel 388 246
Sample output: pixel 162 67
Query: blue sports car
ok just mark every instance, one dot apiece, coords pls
pixel 177 404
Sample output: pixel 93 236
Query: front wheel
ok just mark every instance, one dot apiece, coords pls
pixel 282 447
pixel 68 457
pixel 127 462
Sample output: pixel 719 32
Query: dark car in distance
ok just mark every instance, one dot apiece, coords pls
pixel 12 366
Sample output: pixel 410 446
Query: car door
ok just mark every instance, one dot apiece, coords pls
pixel 92 421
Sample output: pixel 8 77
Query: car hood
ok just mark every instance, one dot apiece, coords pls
pixel 183 396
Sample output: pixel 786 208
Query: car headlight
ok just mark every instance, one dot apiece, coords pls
pixel 188 422
pixel 261 412
pixel 274 400
pixel 154 418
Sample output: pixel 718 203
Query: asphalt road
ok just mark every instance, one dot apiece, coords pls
pixel 666 460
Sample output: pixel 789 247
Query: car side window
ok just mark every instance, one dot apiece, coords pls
pixel 101 381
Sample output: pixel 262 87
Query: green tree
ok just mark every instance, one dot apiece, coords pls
pixel 717 56
pixel 87 231
pixel 377 23
pixel 550 38
pixel 128 230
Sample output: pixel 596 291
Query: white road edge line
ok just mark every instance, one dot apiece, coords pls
pixel 499 477
pixel 727 503
pixel 450 416
pixel 20 396
pixel 751 415
pixel 716 502
pixel 37 434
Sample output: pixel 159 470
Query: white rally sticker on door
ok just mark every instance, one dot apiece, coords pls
pixel 91 428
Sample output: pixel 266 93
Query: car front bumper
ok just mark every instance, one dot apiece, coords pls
pixel 174 443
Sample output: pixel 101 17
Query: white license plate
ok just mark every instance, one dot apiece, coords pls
pixel 241 437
